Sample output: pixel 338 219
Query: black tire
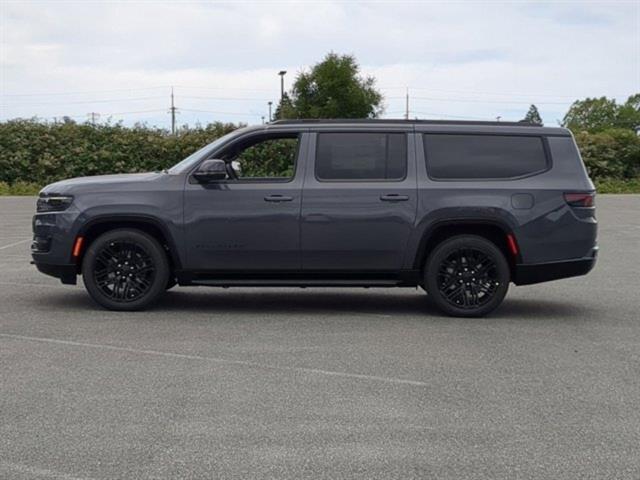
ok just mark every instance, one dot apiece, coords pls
pixel 467 276
pixel 125 269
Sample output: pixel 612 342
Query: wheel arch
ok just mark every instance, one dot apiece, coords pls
pixel 493 230
pixel 95 227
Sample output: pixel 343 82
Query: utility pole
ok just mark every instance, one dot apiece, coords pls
pixel 406 107
pixel 282 73
pixel 173 115
pixel 93 116
pixel 270 103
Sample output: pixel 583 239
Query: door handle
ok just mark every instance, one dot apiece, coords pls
pixel 394 197
pixel 277 198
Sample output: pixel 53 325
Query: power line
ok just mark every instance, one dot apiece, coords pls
pixel 443 115
pixel 220 113
pixel 134 112
pixel 473 100
pixel 200 97
pixel 83 92
pixel 111 114
pixel 508 94
pixel 83 102
pixel 226 88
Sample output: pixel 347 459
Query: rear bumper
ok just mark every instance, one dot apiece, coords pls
pixel 66 273
pixel 526 274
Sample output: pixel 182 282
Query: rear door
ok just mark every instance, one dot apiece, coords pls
pixel 359 201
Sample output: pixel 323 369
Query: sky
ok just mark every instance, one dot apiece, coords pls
pixel 457 59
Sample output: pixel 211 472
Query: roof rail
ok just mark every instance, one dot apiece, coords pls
pixel 521 123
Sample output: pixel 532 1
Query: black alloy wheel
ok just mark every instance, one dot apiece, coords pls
pixel 467 276
pixel 125 270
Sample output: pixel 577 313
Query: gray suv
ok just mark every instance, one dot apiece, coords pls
pixel 459 208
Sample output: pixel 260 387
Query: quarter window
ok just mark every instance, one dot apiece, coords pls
pixel 361 156
pixel 483 156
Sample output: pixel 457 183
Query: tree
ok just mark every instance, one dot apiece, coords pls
pixel 613 153
pixel 533 116
pixel 284 109
pixel 629 113
pixel 333 88
pixel 598 114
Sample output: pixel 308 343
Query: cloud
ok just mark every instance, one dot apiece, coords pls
pixel 475 60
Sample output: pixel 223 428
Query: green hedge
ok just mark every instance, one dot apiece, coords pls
pixel 613 185
pixel 41 153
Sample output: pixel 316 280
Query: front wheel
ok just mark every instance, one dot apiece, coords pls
pixel 467 276
pixel 125 269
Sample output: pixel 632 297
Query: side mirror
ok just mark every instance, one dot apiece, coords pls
pixel 211 170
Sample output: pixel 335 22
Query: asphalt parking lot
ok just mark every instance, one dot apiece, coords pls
pixel 322 383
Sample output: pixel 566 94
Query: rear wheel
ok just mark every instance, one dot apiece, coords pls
pixel 467 276
pixel 125 269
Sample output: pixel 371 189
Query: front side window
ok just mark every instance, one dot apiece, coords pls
pixel 264 158
pixel 454 156
pixel 361 156
pixel 192 159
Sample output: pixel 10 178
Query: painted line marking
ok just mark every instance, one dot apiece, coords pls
pixel 36 471
pixel 25 284
pixel 15 243
pixel 225 361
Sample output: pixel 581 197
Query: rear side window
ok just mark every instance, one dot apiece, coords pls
pixel 361 156
pixel 483 156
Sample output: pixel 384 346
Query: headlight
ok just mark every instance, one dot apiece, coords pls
pixel 53 203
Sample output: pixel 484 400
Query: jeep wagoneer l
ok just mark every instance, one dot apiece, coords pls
pixel 461 209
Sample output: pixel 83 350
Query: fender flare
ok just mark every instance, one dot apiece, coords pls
pixel 463 221
pixel 137 218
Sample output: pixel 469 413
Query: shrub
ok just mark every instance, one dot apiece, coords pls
pixel 613 153
pixel 43 152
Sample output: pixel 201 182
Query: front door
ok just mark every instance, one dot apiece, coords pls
pixel 251 220
pixel 359 202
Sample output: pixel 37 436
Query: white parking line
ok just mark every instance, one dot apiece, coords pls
pixel 36 471
pixel 242 363
pixel 15 243
pixel 33 284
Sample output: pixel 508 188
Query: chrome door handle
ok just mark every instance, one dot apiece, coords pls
pixel 277 198
pixel 394 197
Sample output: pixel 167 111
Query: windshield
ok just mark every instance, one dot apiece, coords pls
pixel 191 160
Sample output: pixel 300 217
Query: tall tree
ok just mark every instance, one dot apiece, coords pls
pixel 592 115
pixel 533 116
pixel 333 88
pixel 629 113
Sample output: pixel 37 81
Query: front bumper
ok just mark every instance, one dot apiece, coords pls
pixel 527 274
pixel 53 236
pixel 68 274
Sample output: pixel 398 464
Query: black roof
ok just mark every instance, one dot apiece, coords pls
pixel 403 121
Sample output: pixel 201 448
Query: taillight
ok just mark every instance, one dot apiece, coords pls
pixel 584 199
pixel 513 246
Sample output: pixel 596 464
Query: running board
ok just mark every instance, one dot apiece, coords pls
pixel 222 282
